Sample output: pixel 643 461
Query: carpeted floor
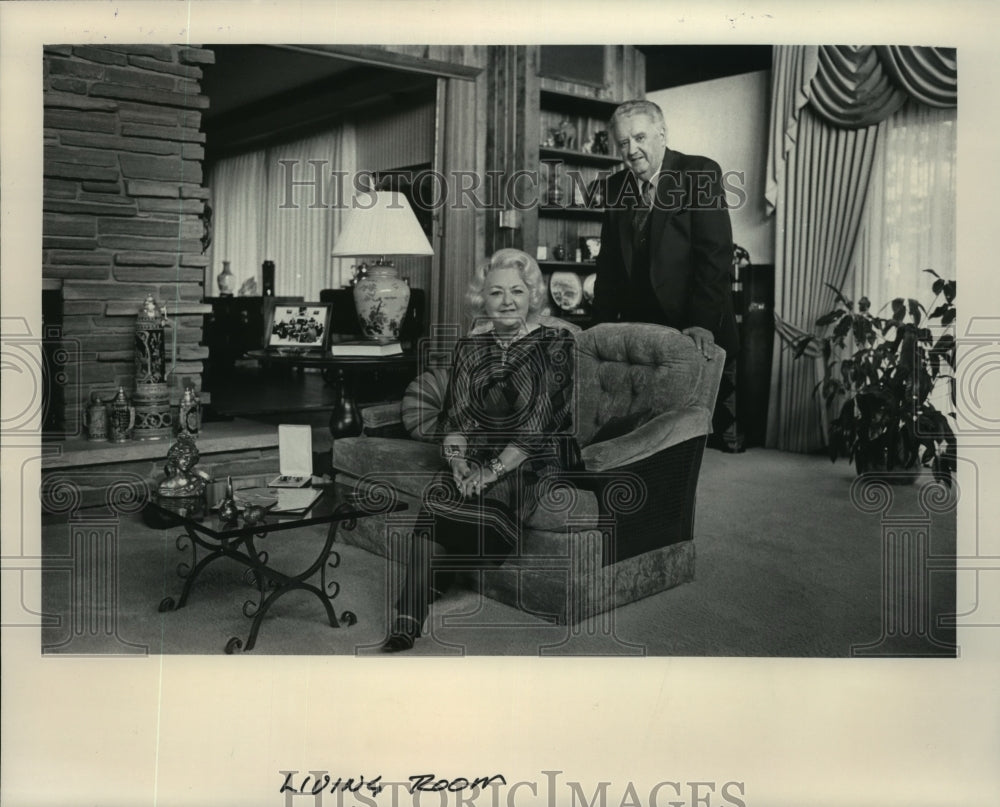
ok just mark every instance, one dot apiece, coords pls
pixel 787 565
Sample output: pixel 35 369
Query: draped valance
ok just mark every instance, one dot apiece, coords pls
pixel 850 87
pixel 856 86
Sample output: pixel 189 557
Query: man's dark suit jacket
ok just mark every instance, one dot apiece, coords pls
pixel 690 250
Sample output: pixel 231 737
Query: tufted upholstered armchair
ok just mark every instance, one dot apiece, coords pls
pixel 621 530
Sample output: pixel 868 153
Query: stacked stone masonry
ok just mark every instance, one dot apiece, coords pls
pixel 122 202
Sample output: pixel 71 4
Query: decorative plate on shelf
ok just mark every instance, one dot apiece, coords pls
pixel 566 290
pixel 588 287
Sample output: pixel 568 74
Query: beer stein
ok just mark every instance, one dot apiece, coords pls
pixel 95 419
pixel 121 418
pixel 189 415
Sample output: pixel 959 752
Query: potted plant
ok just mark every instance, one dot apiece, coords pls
pixel 884 370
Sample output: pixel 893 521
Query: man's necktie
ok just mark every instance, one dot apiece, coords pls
pixel 640 215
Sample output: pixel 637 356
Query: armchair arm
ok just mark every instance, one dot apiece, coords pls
pixel 381 419
pixel 663 431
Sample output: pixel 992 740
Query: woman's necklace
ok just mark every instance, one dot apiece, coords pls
pixel 504 342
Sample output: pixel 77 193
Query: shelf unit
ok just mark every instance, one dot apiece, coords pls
pixel 567 211
pixel 583 267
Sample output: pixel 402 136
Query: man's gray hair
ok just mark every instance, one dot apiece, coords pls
pixel 639 106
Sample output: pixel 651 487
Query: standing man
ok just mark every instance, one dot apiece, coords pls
pixel 666 241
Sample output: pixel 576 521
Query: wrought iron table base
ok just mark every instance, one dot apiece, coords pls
pixel 266 579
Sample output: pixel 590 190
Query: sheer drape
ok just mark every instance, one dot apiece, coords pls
pixel 262 211
pixel 909 222
pixel 238 186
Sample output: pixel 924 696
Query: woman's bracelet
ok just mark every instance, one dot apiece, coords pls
pixel 497 466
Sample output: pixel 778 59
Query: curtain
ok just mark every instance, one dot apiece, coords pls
pixel 910 220
pixel 909 223
pixel 791 71
pixel 299 236
pixel 259 214
pixel 830 107
pixel 819 209
pixel 929 75
pixel 237 186
pixel 852 88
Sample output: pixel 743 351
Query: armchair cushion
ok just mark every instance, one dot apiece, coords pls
pixel 663 431
pixel 422 403
pixel 407 463
pixel 621 425
pixel 630 367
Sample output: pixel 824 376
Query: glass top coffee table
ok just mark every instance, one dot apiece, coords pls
pixel 337 505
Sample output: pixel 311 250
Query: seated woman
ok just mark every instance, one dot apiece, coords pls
pixel 507 422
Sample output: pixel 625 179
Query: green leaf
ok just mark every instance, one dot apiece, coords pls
pixel 915 309
pixel 843 326
pixel 931 271
pixel 945 348
pixel 898 309
pixel 846 371
pixel 840 297
pixel 827 318
pixel 949 291
pixel 940 311
pixel 800 345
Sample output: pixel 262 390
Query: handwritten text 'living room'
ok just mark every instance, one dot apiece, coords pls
pixel 319 788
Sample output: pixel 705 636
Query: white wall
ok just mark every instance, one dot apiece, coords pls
pixel 726 120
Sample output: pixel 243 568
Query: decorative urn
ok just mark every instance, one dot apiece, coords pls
pixel 381 298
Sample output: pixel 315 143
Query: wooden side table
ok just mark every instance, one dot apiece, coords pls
pixel 345 373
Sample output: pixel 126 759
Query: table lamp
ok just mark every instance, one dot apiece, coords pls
pixel 380 224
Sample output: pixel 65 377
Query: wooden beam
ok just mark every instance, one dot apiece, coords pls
pixel 384 58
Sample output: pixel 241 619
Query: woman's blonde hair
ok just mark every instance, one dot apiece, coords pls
pixel 508 258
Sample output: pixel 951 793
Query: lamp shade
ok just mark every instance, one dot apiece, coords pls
pixel 381 223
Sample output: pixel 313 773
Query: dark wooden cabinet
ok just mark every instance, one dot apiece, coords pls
pixel 235 326
pixel 755 306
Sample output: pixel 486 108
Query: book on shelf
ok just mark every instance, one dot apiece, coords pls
pixel 365 347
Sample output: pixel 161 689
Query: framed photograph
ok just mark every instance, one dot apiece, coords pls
pixel 299 326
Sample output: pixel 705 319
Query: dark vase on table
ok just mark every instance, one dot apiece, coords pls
pixel 345 419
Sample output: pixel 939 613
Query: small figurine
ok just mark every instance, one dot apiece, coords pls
pixel 253 514
pixel 568 132
pixel 181 479
pixel 600 145
pixel 228 511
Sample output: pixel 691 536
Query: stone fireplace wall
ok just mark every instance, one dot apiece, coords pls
pixel 123 202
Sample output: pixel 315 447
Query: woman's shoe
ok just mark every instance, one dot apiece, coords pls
pixel 405 631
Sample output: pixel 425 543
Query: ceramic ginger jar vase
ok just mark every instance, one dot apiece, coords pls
pixel 381 298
